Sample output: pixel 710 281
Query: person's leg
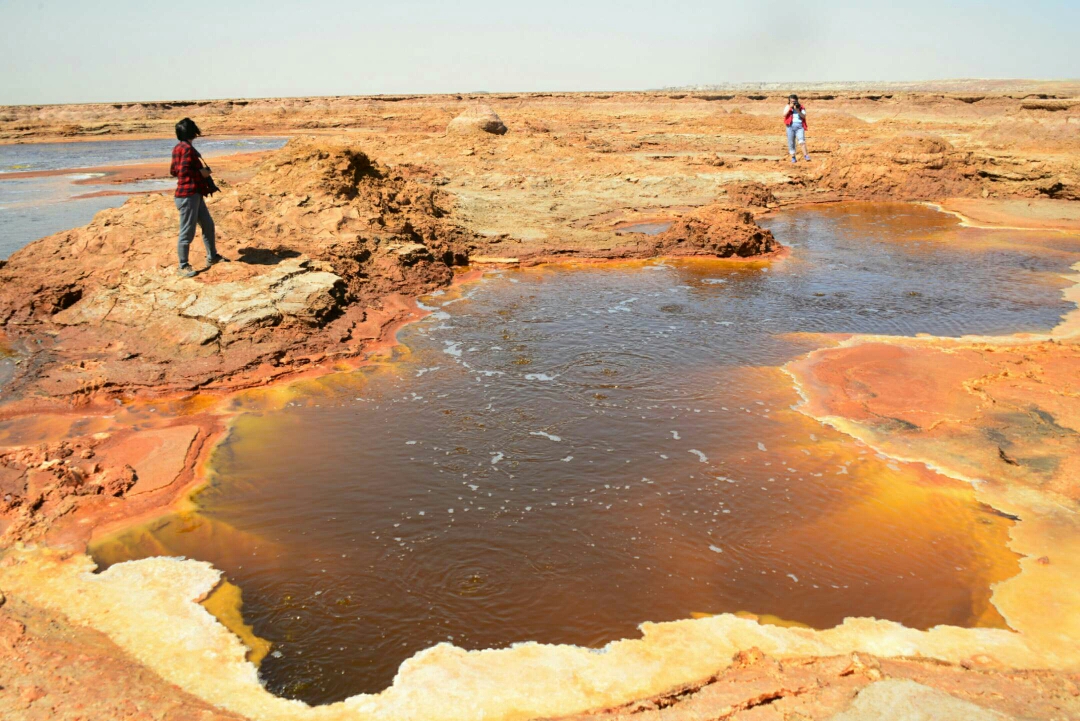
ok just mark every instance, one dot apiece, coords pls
pixel 206 223
pixel 802 141
pixel 188 216
pixel 791 142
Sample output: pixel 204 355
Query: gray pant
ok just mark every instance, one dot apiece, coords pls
pixel 795 135
pixel 193 210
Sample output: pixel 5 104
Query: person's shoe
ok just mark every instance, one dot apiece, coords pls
pixel 794 160
pixel 806 158
pixel 216 259
pixel 186 271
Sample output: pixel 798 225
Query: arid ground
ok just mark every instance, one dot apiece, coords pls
pixel 121 373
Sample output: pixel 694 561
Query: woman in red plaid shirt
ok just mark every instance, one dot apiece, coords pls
pixel 192 183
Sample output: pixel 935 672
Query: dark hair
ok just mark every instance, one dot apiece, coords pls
pixel 794 97
pixel 187 130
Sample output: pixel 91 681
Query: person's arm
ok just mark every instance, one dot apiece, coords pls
pixel 177 161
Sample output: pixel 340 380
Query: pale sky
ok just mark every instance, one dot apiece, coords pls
pixel 65 51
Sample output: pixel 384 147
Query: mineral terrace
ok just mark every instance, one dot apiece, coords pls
pixel 377 200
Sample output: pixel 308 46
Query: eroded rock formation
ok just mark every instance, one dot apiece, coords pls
pixel 320 234
pixel 40 484
pixel 719 231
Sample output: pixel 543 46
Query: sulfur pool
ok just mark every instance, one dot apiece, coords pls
pixel 560 453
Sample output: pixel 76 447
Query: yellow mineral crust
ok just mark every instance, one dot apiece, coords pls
pixel 150 608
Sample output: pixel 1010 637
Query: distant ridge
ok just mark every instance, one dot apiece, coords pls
pixel 959 85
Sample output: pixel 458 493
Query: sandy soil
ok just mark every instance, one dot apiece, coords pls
pixel 331 238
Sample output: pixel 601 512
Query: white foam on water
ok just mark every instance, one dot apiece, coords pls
pixel 539 377
pixel 549 436
pixel 422 371
pixel 761 446
pixel 793 577
pixel 410 443
pixel 714 281
pixel 701 456
pixel 452 349
pixel 716 549
pixel 621 306
pixel 675 435
pixel 496 457
pixel 567 459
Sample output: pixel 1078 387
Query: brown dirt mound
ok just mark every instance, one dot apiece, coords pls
pixel 751 195
pixel 903 168
pixel 716 230
pixel 319 233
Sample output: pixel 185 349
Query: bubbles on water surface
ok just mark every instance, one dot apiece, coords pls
pixel 648 466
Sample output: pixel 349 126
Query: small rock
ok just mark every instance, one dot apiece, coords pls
pixel 118 482
pixel 869 668
pixel 747 657
pixel 477 119
pixel 10 633
pixel 30 694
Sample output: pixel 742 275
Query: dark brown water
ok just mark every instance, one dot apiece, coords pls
pixel 559 454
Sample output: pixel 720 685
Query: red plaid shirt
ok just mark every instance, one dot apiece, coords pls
pixel 185 168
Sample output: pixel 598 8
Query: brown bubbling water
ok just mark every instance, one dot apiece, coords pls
pixel 558 454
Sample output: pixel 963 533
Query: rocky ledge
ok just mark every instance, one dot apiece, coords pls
pixel 318 238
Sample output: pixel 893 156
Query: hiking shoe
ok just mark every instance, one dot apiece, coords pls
pixel 186 271
pixel 806 158
pixel 794 160
pixel 216 259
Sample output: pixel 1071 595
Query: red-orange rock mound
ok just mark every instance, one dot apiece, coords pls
pixel 321 232
pixel 718 231
pixel 751 195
